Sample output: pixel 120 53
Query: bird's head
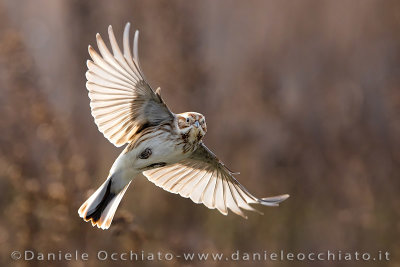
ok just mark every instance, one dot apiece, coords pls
pixel 192 124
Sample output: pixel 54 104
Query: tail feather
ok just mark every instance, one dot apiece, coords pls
pixel 100 208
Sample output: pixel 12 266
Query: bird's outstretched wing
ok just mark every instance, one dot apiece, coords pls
pixel 205 179
pixel 121 101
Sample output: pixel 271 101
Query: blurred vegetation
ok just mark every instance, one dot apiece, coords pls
pixel 301 97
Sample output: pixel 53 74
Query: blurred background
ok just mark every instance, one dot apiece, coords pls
pixel 301 97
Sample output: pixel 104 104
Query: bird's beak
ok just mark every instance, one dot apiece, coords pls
pixel 197 124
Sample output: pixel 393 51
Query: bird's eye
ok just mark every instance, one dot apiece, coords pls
pixel 187 120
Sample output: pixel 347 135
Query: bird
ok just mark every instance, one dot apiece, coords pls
pixel 165 147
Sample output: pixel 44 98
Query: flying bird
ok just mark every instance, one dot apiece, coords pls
pixel 166 147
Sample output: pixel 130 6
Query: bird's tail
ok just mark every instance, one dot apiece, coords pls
pixel 101 206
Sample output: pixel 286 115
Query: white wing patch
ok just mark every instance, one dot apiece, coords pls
pixel 208 183
pixel 121 100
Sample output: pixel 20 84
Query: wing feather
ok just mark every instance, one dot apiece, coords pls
pixel 205 179
pixel 122 102
pixel 197 190
pixel 219 195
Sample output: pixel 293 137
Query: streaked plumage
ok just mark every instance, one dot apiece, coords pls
pixel 166 147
